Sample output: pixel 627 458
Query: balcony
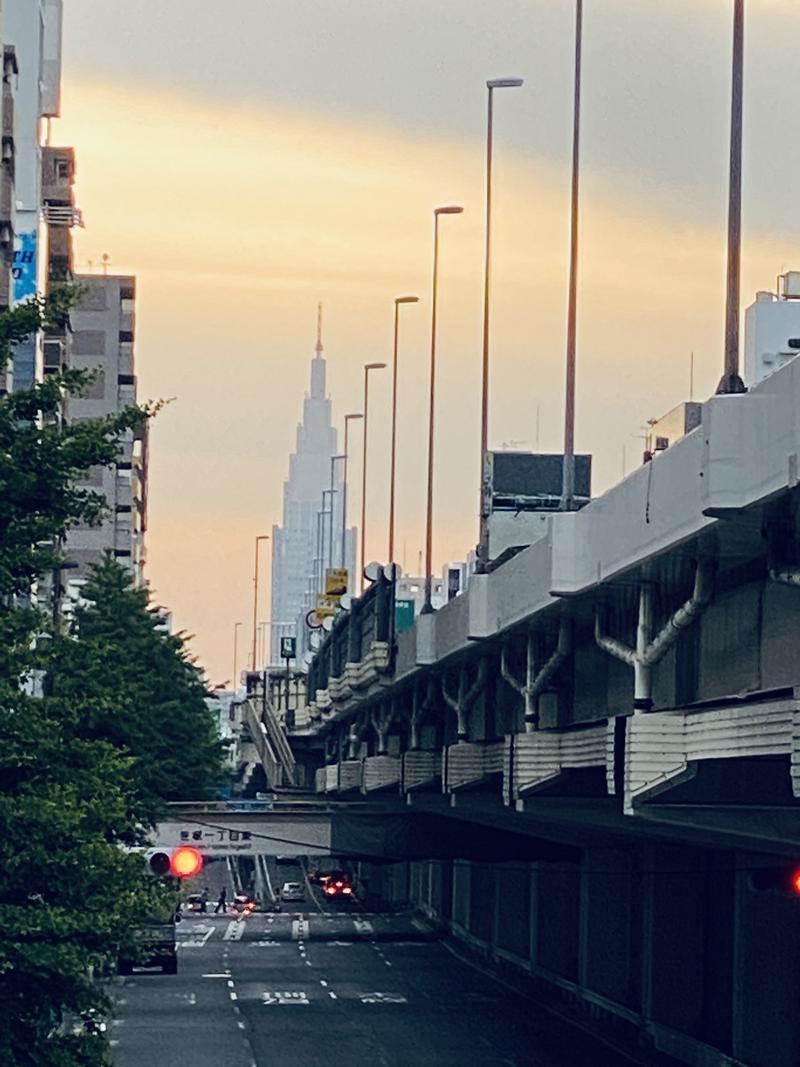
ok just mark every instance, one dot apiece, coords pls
pixel 534 760
pixel 62 215
pixel 661 746
pixel 469 765
pixel 380 772
pixel 420 770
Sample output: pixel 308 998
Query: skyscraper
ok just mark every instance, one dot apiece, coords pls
pixel 301 545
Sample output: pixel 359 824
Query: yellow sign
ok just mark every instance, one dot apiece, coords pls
pixel 326 606
pixel 335 582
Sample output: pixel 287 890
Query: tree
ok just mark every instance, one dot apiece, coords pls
pixel 139 690
pixel 71 805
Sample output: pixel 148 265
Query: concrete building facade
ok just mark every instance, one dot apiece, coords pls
pixel 33 28
pixel 103 338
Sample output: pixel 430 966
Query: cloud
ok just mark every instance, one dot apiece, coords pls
pixel 238 220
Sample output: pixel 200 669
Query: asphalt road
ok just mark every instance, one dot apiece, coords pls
pixel 323 986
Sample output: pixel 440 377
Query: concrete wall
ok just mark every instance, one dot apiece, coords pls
pixel 669 938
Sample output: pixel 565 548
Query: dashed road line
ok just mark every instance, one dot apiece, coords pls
pixel 233 931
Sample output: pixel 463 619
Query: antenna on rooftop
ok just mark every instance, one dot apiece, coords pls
pixel 318 346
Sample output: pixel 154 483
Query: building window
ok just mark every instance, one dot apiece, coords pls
pixel 125 335
pixel 63 170
pixel 127 292
pixel 126 379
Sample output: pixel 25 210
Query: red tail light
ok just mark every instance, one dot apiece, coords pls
pixel 347 890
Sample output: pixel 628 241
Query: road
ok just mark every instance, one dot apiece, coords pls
pixel 323 985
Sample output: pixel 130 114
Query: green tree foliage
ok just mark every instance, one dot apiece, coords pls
pixel 75 788
pixel 139 690
pixel 41 460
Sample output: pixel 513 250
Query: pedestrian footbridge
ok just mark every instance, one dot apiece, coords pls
pixel 385 831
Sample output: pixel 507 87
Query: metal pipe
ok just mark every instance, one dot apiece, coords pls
pixel 568 474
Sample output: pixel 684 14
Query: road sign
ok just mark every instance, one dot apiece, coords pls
pixel 336 581
pixel 403 615
pixel 326 606
pixel 288 647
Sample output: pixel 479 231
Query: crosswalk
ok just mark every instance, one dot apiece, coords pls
pixel 269 931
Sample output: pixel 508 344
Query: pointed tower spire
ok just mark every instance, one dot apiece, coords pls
pixel 318 348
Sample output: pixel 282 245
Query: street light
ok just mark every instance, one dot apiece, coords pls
pixel 347 418
pixel 449 210
pixel 731 381
pixel 334 460
pixel 568 470
pixel 235 651
pixel 485 503
pixel 260 537
pixel 398 301
pixel 329 493
pixel 367 368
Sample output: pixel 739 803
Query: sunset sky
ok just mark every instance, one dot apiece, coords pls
pixel 246 160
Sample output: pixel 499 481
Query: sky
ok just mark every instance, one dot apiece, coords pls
pixel 246 160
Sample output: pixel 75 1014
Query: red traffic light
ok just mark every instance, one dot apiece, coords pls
pixel 186 862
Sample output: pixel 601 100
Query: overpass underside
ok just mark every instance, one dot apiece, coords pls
pixel 589 763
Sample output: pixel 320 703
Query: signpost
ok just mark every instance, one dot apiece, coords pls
pixel 288 653
pixel 403 615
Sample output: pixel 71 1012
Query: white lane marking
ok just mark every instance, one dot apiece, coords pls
pixel 265 944
pixel 230 983
pixel 224 974
pixel 322 982
pixel 197 938
pixel 387 963
pixel 332 995
pixel 299 929
pixel 296 997
pixel 233 931
pixel 382 998
pixel 232 995
pixel 240 1024
pixel 363 927
pixel 308 963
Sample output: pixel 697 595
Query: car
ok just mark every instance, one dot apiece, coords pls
pixel 195 902
pixel 293 891
pixel 339 889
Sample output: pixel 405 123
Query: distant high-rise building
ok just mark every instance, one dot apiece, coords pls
pixel 103 332
pixel 304 543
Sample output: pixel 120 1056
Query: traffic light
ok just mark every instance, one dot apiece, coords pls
pixel 186 862
pixel 160 863
pixel 784 879
pixel 183 862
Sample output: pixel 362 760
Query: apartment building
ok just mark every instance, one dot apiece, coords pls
pixel 103 334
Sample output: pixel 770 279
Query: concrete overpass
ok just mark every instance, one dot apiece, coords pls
pixel 625 691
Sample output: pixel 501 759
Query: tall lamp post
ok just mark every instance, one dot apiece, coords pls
pixel 334 461
pixel 568 472
pixel 259 538
pixel 451 209
pixel 367 368
pixel 347 420
pixel 236 626
pixel 398 301
pixel 731 381
pixel 485 503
